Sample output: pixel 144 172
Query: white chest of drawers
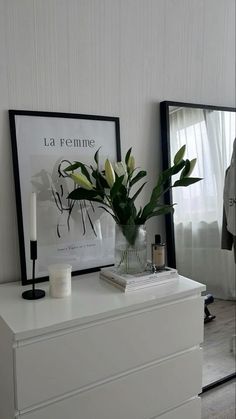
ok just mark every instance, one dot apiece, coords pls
pixel 102 354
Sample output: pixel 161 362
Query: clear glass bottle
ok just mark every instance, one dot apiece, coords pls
pixel 158 253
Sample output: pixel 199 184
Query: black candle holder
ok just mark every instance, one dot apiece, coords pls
pixel 33 294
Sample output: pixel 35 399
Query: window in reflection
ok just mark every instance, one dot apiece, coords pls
pixel 209 135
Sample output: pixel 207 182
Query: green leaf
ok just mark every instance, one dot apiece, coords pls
pixel 101 182
pixel 147 210
pixel 124 209
pixel 84 171
pixel 105 209
pixel 133 213
pixel 130 231
pixel 186 181
pixel 177 167
pixel 81 166
pixel 94 174
pixel 81 194
pixel 161 211
pixel 119 211
pixel 179 155
pixel 192 165
pixel 138 192
pixel 128 156
pixel 139 176
pixel 72 167
pixel 185 169
pixel 96 157
pixel 156 193
pixel 116 186
pixel 138 215
pixel 164 176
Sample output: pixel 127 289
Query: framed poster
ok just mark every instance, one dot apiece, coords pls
pixel 74 232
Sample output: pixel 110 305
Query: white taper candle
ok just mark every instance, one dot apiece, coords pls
pixel 33 220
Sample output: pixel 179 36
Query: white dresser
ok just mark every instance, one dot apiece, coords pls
pixel 102 354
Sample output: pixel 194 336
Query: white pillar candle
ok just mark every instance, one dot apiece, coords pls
pixel 60 280
pixel 33 221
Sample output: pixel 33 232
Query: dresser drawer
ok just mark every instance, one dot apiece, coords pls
pixel 56 365
pixel 145 393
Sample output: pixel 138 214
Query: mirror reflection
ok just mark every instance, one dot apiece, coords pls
pixel 202 244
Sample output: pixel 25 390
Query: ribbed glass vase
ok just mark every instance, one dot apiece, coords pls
pixel 130 248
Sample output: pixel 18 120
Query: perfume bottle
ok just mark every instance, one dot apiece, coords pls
pixel 158 253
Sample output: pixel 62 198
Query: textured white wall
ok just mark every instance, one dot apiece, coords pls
pixel 109 57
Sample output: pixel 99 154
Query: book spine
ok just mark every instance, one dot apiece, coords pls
pixel 149 284
pixel 114 278
pixel 153 278
pixel 109 280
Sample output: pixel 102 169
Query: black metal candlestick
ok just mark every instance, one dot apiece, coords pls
pixel 33 294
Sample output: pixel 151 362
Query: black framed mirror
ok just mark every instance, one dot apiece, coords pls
pixel 193 232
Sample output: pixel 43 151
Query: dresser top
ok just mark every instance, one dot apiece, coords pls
pixel 92 299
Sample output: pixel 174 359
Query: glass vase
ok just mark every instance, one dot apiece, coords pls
pixel 130 248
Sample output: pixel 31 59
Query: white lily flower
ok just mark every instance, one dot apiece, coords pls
pixel 120 170
pixel 109 173
pixel 131 164
pixel 82 181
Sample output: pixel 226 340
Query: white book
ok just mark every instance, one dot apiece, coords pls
pixel 141 286
pixel 127 279
pixel 153 281
pixel 146 281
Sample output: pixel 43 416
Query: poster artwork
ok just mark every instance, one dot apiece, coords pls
pixel 68 231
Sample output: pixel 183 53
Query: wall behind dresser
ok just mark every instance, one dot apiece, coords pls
pixel 109 57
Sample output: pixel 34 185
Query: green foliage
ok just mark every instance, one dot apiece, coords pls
pixel 118 199
pixel 179 155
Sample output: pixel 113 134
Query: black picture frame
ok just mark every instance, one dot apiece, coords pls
pixel 166 161
pixel 38 138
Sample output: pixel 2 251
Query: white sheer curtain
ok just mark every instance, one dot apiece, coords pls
pixel 209 136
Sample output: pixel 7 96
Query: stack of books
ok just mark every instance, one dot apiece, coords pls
pixel 127 282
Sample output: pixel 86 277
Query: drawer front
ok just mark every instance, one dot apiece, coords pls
pixel 52 367
pixel 143 394
pixel 189 410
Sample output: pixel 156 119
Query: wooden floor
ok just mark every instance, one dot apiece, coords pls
pixel 219 403
pixel 218 358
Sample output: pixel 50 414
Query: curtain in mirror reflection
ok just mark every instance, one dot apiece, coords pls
pixel 209 135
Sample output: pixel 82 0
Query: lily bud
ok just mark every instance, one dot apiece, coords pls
pixel 82 181
pixel 180 154
pixel 109 173
pixel 131 164
pixel 192 165
pixel 120 170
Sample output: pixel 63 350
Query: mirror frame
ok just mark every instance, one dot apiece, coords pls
pixel 166 162
pixel 169 218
